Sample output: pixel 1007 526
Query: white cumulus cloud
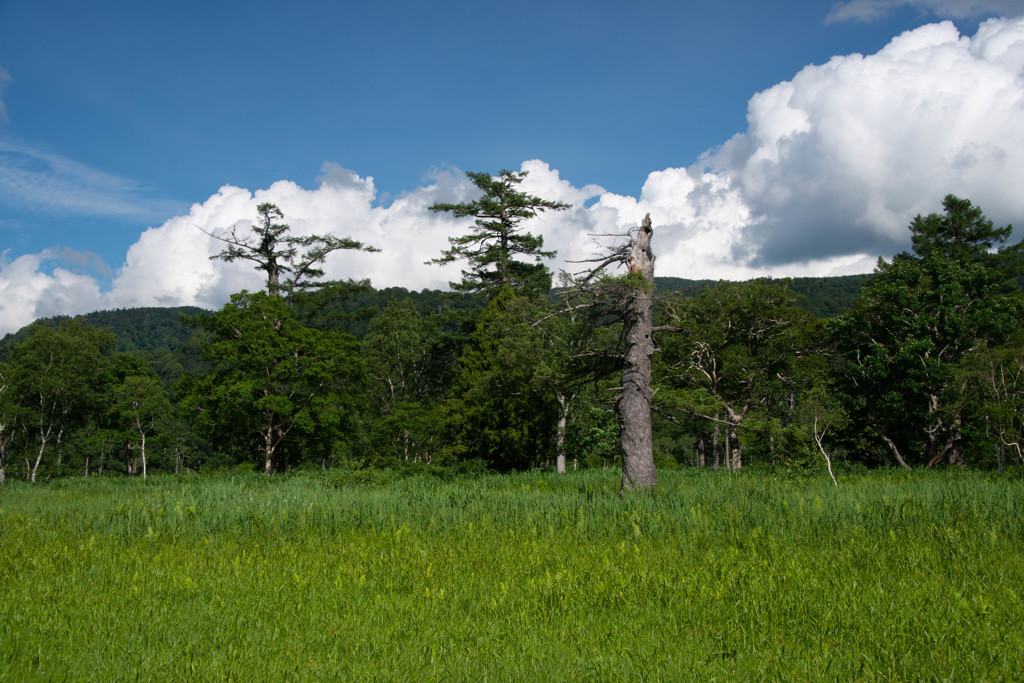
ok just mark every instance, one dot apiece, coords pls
pixel 171 265
pixel 838 160
pixel 28 291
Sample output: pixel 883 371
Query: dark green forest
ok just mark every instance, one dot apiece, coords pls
pixel 919 365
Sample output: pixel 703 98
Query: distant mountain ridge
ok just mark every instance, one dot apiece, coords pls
pixel 158 332
pixel 137 329
pixel 823 297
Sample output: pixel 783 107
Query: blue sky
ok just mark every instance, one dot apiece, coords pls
pixel 118 118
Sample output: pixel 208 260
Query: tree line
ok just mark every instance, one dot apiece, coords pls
pixel 926 368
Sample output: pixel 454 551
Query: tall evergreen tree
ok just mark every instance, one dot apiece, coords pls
pixel 497 241
pixel 497 412
pixel 915 322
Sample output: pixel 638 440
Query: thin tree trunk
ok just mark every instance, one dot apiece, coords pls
pixel 143 449
pixel 634 405
pixel 714 446
pixel 818 440
pixel 734 440
pixel 726 449
pixel 3 453
pixel 39 455
pixel 268 449
pixel 60 446
pixel 896 452
pixel 563 418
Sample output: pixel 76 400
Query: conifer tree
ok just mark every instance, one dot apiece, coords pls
pixel 497 242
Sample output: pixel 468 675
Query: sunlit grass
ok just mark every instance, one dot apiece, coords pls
pixel 715 575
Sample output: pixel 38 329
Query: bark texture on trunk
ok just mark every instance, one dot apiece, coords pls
pixel 634 409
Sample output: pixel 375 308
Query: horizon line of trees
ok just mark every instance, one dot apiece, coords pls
pixel 926 368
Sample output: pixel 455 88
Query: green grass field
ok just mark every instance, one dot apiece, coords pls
pixel 716 576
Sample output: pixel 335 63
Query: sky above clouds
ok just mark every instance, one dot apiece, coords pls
pixel 785 141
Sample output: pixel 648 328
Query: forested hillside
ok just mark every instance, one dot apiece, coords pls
pixel 147 330
pixel 155 334
pixel 172 347
pixel 822 297
pixel 136 329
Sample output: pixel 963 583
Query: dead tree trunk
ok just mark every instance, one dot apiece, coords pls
pixel 629 298
pixel 634 408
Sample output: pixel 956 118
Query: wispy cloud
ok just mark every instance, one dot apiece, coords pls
pixel 5 80
pixel 870 10
pixel 37 180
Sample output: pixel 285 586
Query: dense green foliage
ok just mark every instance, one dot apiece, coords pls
pixel 713 576
pixel 155 334
pixel 927 367
pixel 150 332
pixel 275 382
pixel 499 412
pixel 138 330
pixel 67 402
pixel 822 297
pixel 904 344
pixel 738 354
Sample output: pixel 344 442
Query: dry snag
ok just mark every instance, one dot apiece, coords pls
pixel 634 409
pixel 630 298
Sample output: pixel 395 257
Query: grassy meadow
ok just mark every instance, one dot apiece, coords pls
pixel 376 575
